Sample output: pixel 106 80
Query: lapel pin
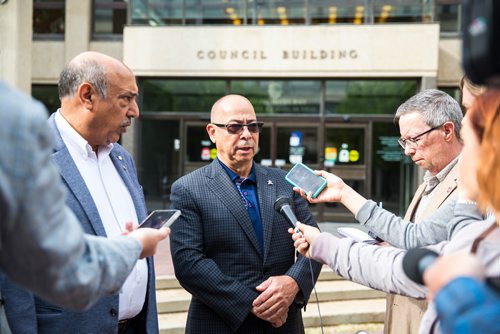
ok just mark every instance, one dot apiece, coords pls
pixel 269 182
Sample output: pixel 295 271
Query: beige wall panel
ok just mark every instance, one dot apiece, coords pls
pixel 110 48
pixel 48 60
pixel 15 43
pixel 341 51
pixel 450 62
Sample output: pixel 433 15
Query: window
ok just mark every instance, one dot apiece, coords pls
pixel 48 95
pixel 447 13
pixel 109 18
pixel 48 19
pixel 181 95
pixel 367 96
pixel 280 96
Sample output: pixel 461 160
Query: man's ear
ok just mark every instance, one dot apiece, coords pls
pixel 86 95
pixel 449 130
pixel 211 132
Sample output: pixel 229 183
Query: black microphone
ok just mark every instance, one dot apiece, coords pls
pixel 284 205
pixel 416 261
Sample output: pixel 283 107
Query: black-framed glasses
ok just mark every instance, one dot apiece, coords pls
pixel 235 128
pixel 413 142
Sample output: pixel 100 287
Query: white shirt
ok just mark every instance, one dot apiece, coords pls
pixel 114 204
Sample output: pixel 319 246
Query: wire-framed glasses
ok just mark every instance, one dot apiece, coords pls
pixel 413 142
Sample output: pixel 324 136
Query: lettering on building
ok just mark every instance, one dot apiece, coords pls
pixel 292 54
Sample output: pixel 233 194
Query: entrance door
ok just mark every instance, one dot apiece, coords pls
pixel 347 154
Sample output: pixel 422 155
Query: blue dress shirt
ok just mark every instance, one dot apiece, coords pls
pixel 249 196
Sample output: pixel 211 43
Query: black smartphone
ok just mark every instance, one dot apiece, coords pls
pixel 160 218
pixel 304 178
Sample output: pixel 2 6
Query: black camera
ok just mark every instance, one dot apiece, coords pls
pixel 481 41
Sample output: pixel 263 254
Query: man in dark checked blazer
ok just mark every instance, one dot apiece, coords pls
pixel 230 248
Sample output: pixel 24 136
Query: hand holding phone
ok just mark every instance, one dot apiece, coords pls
pixel 160 218
pixel 304 178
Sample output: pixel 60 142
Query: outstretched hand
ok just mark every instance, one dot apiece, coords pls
pixel 304 240
pixel 148 237
pixel 331 193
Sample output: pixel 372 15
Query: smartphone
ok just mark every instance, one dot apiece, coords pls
pixel 160 218
pixel 304 178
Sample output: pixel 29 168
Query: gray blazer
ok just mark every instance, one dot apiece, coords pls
pixel 42 245
pixel 216 254
pixel 102 317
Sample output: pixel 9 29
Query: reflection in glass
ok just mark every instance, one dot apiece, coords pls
pixel 277 12
pixel 448 16
pixel 280 96
pixel 159 164
pixel 386 11
pixel 343 11
pixel 282 12
pixel 387 161
pixel 215 12
pixel 48 18
pixel 109 17
pixel 367 96
pixel 48 95
pixel 309 144
pixel 346 146
pixel 181 95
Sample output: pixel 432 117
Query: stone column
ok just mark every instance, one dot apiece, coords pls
pixel 16 31
pixel 78 27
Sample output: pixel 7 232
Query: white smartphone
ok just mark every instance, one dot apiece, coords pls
pixel 159 218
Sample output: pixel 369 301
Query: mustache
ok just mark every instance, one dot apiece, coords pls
pixel 126 122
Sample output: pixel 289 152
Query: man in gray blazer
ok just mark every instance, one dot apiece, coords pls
pixel 98 100
pixel 42 246
pixel 230 248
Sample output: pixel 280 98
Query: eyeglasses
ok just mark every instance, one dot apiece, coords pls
pixel 413 142
pixel 235 128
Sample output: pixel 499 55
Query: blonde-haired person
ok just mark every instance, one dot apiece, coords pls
pixel 465 303
pixel 381 267
pixel 469 91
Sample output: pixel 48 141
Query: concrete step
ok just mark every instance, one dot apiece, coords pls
pixel 341 303
pixel 333 313
pixel 170 282
pixel 177 300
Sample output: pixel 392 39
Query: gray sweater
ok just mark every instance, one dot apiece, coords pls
pixel 381 267
pixel 439 226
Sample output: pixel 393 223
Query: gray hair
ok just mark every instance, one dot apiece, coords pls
pixel 77 72
pixel 436 108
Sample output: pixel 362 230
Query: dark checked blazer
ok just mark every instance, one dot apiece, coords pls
pixel 216 255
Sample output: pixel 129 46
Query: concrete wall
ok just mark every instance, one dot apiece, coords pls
pixel 15 43
pixel 395 50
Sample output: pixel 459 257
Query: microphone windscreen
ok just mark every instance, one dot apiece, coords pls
pixel 416 261
pixel 281 201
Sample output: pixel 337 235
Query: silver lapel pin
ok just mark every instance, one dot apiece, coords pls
pixel 269 182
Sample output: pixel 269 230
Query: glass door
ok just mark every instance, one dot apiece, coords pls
pixel 346 154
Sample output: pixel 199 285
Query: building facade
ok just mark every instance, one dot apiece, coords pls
pixel 325 77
